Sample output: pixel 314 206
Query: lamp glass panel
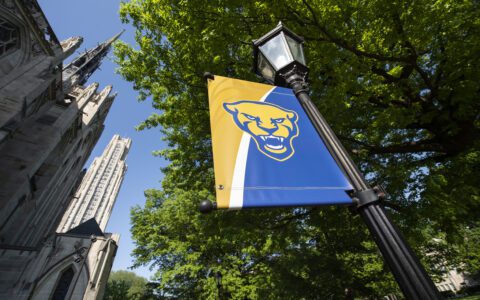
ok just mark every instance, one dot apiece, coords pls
pixel 297 50
pixel 277 52
pixel 264 67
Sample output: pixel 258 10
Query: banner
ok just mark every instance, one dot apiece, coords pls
pixel 266 152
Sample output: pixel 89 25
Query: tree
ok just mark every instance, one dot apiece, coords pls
pixel 116 290
pixel 127 285
pixel 398 82
pixel 469 251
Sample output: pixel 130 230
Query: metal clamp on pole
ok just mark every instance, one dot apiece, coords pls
pixel 366 197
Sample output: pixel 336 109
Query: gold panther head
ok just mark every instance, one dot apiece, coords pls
pixel 272 127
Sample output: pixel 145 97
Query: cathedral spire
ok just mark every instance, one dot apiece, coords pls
pixel 81 68
pixel 110 41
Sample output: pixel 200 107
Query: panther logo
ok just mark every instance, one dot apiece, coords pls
pixel 272 127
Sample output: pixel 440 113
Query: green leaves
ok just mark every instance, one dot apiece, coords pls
pixel 126 285
pixel 398 82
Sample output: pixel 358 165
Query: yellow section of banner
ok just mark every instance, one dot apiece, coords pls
pixel 226 136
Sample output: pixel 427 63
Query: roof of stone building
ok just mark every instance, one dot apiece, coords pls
pixel 89 227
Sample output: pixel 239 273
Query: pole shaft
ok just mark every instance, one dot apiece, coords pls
pixel 405 266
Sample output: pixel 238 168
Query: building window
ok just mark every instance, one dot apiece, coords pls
pixel 63 284
pixel 8 37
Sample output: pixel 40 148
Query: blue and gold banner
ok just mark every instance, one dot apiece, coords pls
pixel 266 152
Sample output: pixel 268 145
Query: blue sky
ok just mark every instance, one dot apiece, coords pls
pixel 96 21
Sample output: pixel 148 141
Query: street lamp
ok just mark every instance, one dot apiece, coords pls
pixel 279 59
pixel 277 53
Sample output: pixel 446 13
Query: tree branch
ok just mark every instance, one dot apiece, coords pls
pixel 345 45
pixel 288 219
pixel 410 147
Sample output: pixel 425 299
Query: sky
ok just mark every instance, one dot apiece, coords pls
pixel 97 21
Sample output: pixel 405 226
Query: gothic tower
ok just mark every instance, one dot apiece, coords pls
pixel 79 70
pixel 96 194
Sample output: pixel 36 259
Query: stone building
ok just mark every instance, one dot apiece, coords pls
pixel 454 281
pixel 75 263
pixel 49 124
pixel 96 194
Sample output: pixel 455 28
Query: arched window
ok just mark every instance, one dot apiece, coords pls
pixel 9 37
pixel 63 284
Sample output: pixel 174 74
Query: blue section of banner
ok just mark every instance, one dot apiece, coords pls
pixel 309 177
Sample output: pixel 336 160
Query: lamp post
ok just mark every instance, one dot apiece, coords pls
pixel 218 279
pixel 279 58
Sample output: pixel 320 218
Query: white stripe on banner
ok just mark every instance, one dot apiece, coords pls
pixel 236 193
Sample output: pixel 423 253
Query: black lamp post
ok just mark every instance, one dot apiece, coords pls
pixel 279 58
pixel 218 279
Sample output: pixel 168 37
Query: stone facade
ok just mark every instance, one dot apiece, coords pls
pixel 96 194
pixel 49 124
pixel 39 273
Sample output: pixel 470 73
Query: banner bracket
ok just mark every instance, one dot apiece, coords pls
pixel 366 197
pixel 208 75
